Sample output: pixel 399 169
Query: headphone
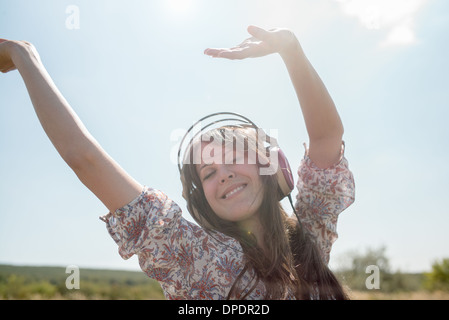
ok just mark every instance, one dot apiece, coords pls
pixel 283 174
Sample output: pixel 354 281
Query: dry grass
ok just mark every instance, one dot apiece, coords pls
pixel 414 295
pixel 354 295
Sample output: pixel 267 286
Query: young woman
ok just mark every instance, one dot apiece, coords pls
pixel 245 246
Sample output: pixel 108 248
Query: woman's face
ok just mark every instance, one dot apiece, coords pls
pixel 234 190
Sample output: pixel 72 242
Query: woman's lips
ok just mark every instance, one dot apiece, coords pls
pixel 233 190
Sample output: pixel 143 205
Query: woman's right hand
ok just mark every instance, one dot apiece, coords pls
pixel 7 50
pixel 6 63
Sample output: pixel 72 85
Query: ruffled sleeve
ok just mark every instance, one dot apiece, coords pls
pixel 322 195
pixel 151 226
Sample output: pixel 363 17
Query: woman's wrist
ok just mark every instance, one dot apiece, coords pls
pixel 22 53
pixel 290 45
pixel 292 53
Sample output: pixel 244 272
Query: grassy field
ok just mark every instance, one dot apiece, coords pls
pixel 413 295
pixel 49 283
pixel 23 282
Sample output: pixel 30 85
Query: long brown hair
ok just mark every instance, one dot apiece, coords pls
pixel 290 262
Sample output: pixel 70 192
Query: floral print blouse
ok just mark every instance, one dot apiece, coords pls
pixel 190 263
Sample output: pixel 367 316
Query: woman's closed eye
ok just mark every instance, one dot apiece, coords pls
pixel 208 174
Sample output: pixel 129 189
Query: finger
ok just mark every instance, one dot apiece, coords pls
pixel 259 33
pixel 213 52
pixel 219 52
pixel 234 55
pixel 231 53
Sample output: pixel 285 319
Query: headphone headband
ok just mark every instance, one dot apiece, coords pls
pixel 234 117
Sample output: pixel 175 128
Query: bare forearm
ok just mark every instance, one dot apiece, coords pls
pixel 320 114
pixel 61 124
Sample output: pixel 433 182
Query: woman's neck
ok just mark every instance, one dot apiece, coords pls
pixel 252 226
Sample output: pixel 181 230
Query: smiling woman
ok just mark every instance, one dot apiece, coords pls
pixel 251 248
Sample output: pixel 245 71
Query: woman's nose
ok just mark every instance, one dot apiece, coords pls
pixel 225 174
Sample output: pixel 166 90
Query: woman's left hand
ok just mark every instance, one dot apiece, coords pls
pixel 262 43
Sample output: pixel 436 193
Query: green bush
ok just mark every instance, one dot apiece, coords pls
pixel 354 274
pixel 438 278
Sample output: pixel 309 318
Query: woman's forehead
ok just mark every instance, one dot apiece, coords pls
pixel 204 153
pixel 222 146
pixel 217 153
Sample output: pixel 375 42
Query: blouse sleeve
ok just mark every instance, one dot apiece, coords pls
pixel 151 226
pixel 322 195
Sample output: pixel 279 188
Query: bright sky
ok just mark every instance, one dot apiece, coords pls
pixel 135 73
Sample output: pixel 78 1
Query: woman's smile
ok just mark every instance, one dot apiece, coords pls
pixel 233 191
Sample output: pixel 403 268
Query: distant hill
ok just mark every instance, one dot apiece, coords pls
pixel 42 282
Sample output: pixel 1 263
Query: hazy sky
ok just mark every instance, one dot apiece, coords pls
pixel 135 73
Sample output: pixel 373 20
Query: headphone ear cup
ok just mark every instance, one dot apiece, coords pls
pixel 284 174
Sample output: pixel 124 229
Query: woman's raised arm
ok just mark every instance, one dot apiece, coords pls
pixel 93 166
pixel 322 120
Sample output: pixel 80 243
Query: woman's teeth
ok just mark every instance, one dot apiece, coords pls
pixel 233 191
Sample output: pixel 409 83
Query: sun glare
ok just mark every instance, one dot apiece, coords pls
pixel 180 6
